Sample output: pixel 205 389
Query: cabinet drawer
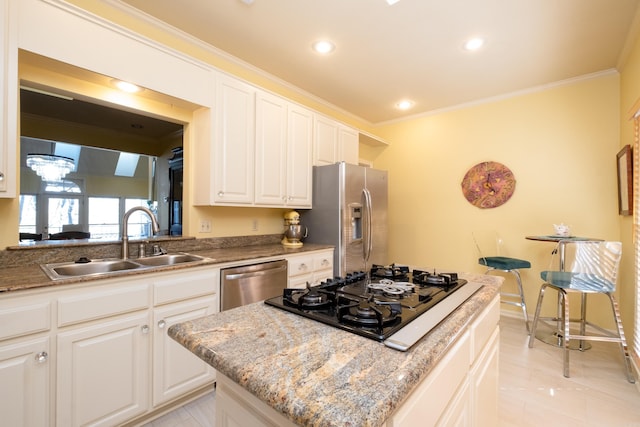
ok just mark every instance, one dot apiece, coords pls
pixel 300 281
pixel 323 262
pixel 300 265
pixel 320 276
pixel 185 285
pixel 97 304
pixel 23 320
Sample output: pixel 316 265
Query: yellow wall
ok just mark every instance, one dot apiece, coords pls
pixel 629 96
pixel 561 144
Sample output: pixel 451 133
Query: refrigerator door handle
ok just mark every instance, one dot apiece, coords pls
pixel 367 244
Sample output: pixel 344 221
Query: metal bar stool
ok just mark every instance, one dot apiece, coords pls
pixel 593 270
pixel 491 243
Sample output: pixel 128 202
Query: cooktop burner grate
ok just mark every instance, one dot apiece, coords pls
pixel 381 308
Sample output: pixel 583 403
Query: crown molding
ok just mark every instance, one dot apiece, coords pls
pixel 217 52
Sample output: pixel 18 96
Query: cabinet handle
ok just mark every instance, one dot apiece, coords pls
pixel 162 324
pixel 303 266
pixel 42 357
pixel 145 329
pixel 325 262
pixel 220 193
pixel 1 176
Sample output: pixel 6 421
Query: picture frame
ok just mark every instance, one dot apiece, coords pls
pixel 625 181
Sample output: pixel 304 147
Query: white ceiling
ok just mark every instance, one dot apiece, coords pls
pixel 412 49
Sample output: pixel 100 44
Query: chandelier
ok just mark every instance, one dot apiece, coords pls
pixel 50 167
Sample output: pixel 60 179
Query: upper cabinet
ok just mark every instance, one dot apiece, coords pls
pixel 254 148
pixel 234 141
pixel 348 148
pixel 8 98
pixel 284 133
pixel 223 155
pixel 334 142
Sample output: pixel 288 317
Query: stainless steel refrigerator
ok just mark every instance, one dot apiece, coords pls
pixel 350 212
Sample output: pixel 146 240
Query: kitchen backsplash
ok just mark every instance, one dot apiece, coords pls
pixel 47 252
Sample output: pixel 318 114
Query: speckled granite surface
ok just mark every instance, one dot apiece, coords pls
pixel 317 375
pixel 21 265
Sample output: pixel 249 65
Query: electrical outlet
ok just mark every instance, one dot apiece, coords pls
pixel 205 226
pixel 254 225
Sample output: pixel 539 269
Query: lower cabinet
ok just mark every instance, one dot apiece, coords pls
pixel 461 390
pixel 175 371
pixel 310 267
pixel 25 372
pixel 102 372
pixel 101 356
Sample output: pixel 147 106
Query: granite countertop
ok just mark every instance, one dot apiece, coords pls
pixel 318 375
pixel 31 275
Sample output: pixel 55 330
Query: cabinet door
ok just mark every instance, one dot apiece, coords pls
pixel 325 144
pixel 175 369
pixel 24 381
pixel 299 157
pixel 485 387
pixel 234 142
pixel 8 97
pixel 348 145
pixel 103 374
pixel 458 413
pixel 271 150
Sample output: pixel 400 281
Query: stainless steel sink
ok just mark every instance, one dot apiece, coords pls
pixel 92 268
pixel 168 259
pixel 113 266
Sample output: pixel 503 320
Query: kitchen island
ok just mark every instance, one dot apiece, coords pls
pixel 277 368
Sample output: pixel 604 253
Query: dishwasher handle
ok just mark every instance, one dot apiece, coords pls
pixel 256 273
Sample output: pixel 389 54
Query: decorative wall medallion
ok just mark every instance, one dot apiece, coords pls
pixel 488 185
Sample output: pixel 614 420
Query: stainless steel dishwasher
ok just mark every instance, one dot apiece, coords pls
pixel 251 283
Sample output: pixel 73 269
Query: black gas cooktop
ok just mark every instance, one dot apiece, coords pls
pixel 390 304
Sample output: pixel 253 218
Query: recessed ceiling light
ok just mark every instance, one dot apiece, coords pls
pixel 323 46
pixel 474 43
pixel 392 2
pixel 126 86
pixel 405 104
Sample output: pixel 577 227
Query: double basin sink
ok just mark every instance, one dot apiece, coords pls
pixel 102 267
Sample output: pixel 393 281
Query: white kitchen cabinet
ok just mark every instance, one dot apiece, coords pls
pixel 175 369
pixel 461 390
pixel 310 267
pixel 25 372
pixel 8 97
pixel 103 349
pixel 334 142
pixel 325 143
pixel 25 361
pixel 235 407
pixel 98 353
pixel 178 299
pixel 283 152
pixel 102 373
pixel 232 161
pixel 348 145
pixel 483 380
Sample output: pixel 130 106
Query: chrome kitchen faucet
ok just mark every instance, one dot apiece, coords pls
pixel 125 228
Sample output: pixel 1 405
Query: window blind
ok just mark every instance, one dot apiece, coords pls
pixel 636 234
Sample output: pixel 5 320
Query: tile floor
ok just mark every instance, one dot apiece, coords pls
pixel 533 391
